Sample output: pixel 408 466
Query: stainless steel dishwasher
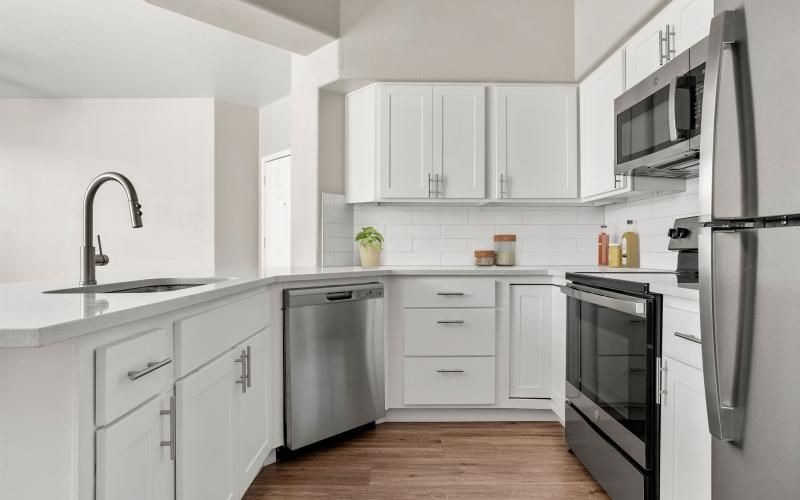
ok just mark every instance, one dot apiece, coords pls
pixel 333 360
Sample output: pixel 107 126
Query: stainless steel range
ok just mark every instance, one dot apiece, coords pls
pixel 613 364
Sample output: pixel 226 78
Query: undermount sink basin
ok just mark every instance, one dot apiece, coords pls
pixel 142 286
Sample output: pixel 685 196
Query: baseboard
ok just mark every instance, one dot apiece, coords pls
pixel 469 415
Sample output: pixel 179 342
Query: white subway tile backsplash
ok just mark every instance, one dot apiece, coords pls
pixel 457 258
pixel 371 218
pixel 440 217
pixel 413 231
pixel 338 247
pixel 411 258
pixel 468 231
pixel 398 245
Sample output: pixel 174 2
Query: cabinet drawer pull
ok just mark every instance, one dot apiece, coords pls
pixel 172 428
pixel 450 294
pixel 686 336
pixel 451 322
pixel 151 367
pixel 249 367
pixel 450 371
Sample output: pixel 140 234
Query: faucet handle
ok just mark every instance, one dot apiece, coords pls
pixel 100 259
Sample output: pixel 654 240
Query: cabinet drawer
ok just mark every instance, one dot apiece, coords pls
pixel 447 292
pixel 679 323
pixel 131 371
pixel 201 338
pixel 449 381
pixel 449 332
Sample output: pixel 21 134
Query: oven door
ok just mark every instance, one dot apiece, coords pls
pixel 611 363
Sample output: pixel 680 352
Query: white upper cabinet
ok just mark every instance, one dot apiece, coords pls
pixel 681 24
pixel 597 94
pixel 459 140
pixel 536 141
pixel 405 145
pixel 360 128
pixel 692 19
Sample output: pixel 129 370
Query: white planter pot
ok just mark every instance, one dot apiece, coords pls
pixel 370 257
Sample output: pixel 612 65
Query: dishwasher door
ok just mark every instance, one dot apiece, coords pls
pixel 333 361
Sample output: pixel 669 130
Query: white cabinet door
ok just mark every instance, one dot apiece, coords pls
pixel 691 19
pixel 646 50
pixel 537 141
pixel 250 423
pixel 405 155
pixel 597 123
pixel 132 464
pixel 531 332
pixel 685 440
pixel 459 141
pixel 204 468
pixel 360 128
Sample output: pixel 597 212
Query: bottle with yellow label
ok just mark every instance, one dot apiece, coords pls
pixel 629 244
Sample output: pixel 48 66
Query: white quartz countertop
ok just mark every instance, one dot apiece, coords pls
pixel 31 318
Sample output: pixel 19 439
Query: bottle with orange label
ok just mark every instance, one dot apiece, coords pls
pixel 602 247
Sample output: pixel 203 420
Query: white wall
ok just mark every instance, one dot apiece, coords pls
pixel 600 28
pixel 331 142
pixel 508 40
pixel 653 217
pixel 194 164
pixel 236 180
pixel 274 126
pixel 51 148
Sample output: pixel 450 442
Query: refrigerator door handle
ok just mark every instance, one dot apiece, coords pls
pixel 721 36
pixel 723 344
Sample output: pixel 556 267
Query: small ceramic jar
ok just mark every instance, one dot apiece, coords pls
pixel 484 257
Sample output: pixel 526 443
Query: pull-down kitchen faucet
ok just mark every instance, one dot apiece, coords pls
pixel 89 259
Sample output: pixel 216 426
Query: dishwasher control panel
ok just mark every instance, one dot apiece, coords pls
pixel 372 293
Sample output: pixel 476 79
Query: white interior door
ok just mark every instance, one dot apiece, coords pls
pixel 597 124
pixel 275 212
pixel 459 140
pixel 131 462
pixel 204 468
pixel 530 337
pixel 405 141
pixel 537 141
pixel 251 421
pixel 685 439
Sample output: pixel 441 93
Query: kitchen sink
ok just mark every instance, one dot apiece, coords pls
pixel 153 285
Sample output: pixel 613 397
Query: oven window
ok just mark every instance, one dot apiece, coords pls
pixel 608 352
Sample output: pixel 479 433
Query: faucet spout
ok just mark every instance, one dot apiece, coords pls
pixel 89 259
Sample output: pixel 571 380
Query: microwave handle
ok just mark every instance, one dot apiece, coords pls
pixel 674 133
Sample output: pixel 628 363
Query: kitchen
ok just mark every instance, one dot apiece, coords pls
pixel 246 166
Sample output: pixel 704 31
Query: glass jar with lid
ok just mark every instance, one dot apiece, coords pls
pixel 505 248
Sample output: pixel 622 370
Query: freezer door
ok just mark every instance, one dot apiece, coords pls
pixel 749 152
pixel 751 345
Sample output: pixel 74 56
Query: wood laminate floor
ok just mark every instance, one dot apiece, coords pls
pixel 502 460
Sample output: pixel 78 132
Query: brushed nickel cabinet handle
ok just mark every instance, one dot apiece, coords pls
pixel 151 367
pixel 243 379
pixel 173 426
pixel 450 294
pixel 249 367
pixel 450 321
pixel 686 336
pixel 450 371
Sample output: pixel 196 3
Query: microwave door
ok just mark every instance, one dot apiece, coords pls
pixel 750 153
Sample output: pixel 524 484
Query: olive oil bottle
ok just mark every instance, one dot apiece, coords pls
pixel 630 246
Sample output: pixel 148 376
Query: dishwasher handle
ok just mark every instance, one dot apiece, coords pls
pixel 334 296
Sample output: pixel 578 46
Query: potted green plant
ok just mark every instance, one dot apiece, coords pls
pixel 370 243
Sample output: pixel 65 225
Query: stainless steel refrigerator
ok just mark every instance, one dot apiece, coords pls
pixel 750 248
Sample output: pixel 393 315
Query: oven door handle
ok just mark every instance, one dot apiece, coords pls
pixel 631 305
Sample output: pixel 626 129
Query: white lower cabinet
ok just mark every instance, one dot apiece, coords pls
pixel 529 342
pixel 685 440
pixel 222 423
pixel 449 381
pixel 251 423
pixel 205 417
pixel 133 455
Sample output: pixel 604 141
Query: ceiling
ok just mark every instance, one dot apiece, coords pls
pixel 130 48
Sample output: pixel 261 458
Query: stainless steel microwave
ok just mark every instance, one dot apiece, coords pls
pixel 657 122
